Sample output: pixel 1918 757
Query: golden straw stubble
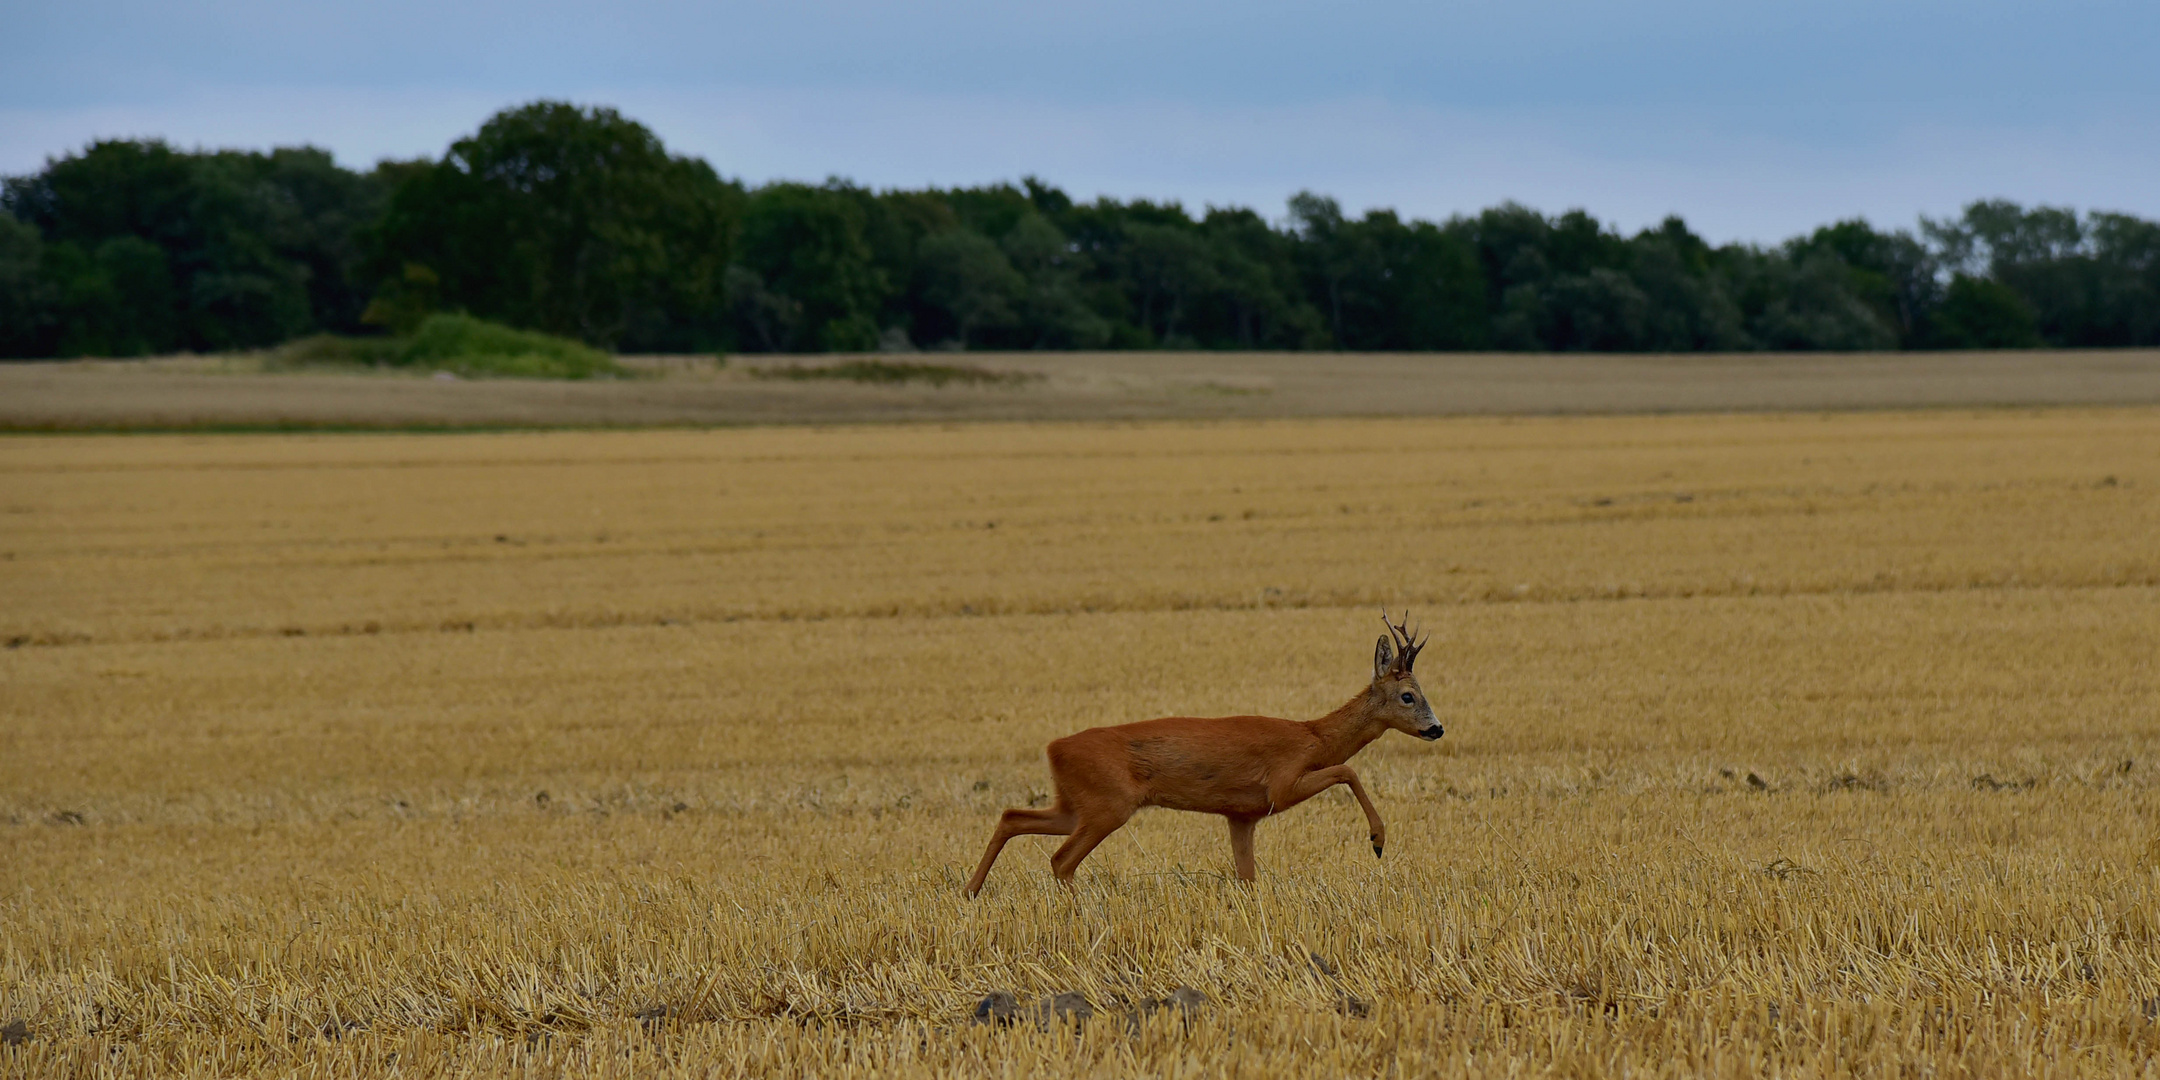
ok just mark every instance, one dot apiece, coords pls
pixel 1813 745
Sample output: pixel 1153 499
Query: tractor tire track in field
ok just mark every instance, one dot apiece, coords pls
pixel 2145 577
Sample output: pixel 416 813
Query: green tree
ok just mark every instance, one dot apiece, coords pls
pixel 895 224
pixel 578 222
pixel 1567 282
pixel 2088 282
pixel 1892 272
pixel 1258 302
pixel 250 248
pixel 1170 271
pixel 2128 251
pixel 1333 258
pixel 971 280
pixel 1511 242
pixel 1689 307
pixel 1053 314
pixel 1599 311
pixel 1812 306
pixel 115 301
pixel 807 249
pixel 573 221
pixel 323 211
pixel 1388 284
pixel 1978 313
pixel 26 300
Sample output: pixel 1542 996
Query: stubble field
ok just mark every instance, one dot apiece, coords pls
pixel 1806 745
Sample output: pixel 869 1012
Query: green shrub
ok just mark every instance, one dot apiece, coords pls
pixel 456 343
pixel 470 346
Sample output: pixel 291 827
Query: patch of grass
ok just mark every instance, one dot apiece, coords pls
pixel 893 373
pixel 333 350
pixel 475 348
pixel 470 346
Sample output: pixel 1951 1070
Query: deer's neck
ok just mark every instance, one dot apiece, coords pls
pixel 1345 731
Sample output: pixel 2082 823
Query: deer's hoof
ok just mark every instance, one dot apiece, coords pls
pixel 1375 847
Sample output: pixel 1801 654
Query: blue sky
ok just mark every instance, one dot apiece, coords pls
pixel 1752 120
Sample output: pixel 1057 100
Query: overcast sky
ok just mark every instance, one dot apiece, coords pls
pixel 1752 120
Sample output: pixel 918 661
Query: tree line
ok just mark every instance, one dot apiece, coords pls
pixel 579 222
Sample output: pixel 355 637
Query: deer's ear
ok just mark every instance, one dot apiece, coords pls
pixel 1380 657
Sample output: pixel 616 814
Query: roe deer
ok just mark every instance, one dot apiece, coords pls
pixel 1242 767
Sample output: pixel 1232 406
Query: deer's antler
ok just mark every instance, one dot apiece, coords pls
pixel 1407 643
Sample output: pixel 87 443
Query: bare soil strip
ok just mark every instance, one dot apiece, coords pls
pixel 228 393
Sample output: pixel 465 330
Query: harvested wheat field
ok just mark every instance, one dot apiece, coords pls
pixel 1797 745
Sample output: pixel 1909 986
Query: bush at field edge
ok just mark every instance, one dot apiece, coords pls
pixel 461 344
pixel 471 346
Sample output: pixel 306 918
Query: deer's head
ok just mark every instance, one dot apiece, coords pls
pixel 1396 697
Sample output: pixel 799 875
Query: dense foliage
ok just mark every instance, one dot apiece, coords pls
pixel 134 247
pixel 578 222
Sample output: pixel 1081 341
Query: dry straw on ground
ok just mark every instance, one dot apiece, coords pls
pixel 1805 745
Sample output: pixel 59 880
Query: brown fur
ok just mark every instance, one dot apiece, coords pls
pixel 1242 767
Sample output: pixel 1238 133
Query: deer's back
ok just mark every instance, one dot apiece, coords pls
pixel 1216 765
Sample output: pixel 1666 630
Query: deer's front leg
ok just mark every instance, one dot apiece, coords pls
pixel 1319 780
pixel 1241 830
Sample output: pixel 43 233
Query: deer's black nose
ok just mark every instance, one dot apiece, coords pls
pixel 1431 733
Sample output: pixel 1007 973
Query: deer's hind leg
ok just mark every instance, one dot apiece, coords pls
pixel 1088 832
pixel 1096 782
pixel 1056 821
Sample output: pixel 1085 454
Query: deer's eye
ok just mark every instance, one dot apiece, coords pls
pixel 1408 698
